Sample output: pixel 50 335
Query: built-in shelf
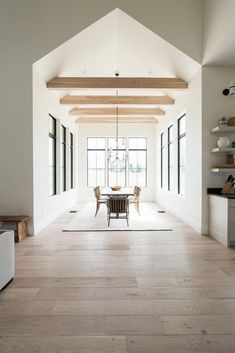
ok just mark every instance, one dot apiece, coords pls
pixel 229 149
pixel 223 170
pixel 223 129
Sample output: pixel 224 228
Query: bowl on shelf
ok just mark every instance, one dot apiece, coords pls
pixel 116 188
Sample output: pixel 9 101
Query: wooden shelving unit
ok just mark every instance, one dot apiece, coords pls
pixel 225 150
pixel 223 170
pixel 226 129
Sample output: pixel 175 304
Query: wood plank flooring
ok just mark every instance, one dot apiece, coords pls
pixel 121 292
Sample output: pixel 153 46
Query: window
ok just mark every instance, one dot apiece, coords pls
pixel 116 173
pixel 63 158
pixel 132 171
pixel 181 154
pixel 52 155
pixel 162 158
pixel 96 161
pixel 71 161
pixel 170 156
pixel 137 158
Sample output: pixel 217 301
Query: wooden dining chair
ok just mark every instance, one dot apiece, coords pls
pixel 99 199
pixel 136 198
pixel 118 207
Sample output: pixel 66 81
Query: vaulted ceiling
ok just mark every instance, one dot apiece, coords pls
pixel 117 42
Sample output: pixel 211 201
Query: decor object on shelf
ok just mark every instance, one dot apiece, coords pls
pixel 229 186
pixel 223 142
pixel 231 158
pixel 230 90
pixel 223 121
pixel 231 121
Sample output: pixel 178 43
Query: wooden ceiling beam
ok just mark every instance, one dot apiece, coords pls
pixel 113 111
pixel 113 121
pixel 76 99
pixel 117 82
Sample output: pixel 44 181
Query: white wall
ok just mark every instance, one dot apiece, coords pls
pixel 187 207
pixel 47 208
pixel 125 130
pixel 218 32
pixel 214 106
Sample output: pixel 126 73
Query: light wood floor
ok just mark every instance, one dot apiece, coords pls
pixel 135 292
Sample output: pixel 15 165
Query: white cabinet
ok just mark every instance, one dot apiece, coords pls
pixel 222 219
pixel 232 234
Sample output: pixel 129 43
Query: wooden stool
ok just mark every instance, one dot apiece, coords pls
pixel 18 224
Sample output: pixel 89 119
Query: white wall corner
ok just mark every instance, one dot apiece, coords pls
pixel 204 229
pixel 194 224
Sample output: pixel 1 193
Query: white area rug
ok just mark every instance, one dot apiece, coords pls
pixel 149 220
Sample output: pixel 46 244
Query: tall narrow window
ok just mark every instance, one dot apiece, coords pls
pixel 170 157
pixel 71 149
pixel 117 173
pixel 181 154
pixel 63 158
pixel 96 161
pixel 137 161
pixel 162 158
pixel 52 155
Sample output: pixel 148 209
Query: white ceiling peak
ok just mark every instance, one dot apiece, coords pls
pixel 117 42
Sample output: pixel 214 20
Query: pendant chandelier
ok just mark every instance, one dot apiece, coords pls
pixel 113 156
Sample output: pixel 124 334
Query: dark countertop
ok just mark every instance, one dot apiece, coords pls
pixel 217 192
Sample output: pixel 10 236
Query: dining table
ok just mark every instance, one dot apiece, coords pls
pixel 123 192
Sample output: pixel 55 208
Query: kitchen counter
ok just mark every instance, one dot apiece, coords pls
pixel 217 192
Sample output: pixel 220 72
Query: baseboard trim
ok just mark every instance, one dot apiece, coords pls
pixel 197 226
pixel 51 218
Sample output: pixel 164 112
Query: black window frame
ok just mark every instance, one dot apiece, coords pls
pixel 179 137
pixel 161 158
pixel 169 143
pixel 146 158
pixel 53 136
pixel 63 168
pixel 71 150
pixel 96 149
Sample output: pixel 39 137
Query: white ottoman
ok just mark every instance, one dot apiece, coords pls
pixel 7 257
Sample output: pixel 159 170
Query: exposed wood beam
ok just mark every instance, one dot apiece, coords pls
pixel 96 120
pixel 117 82
pixel 70 99
pixel 113 111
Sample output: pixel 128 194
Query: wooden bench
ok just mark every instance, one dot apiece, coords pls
pixel 16 223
